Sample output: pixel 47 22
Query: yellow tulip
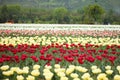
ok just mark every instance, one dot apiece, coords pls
pixel 7 73
pixel 108 67
pixel 96 71
pixel 20 77
pixel 109 72
pixel 36 67
pixel 69 70
pixel 61 74
pixel 63 78
pixel 74 75
pixel 102 76
pixel 35 73
pixel 117 77
pixel 30 77
pixel 57 66
pixel 5 67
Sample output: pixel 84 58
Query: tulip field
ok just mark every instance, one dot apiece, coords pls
pixel 59 54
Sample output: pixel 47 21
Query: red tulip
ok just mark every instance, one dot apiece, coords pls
pixel 32 50
pixel 14 51
pixel 23 56
pixel 118 46
pixel 113 49
pixel 82 49
pixel 34 58
pixel 67 46
pixel 75 54
pixel 52 45
pixel 99 58
pixel 42 57
pixel 2 49
pixel 105 51
pixel 54 51
pixel 1 60
pixel 112 58
pixel 114 52
pixel 108 47
pixel 62 50
pixel 58 59
pixel 69 58
pixel 42 51
pixel 16 58
pixel 48 47
pixel 81 60
pixel 49 57
pixel 48 63
pixel 104 55
pixel 90 59
pixel 8 58
pixel 100 51
pixel 75 51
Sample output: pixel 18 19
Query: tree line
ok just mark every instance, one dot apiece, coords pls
pixel 91 14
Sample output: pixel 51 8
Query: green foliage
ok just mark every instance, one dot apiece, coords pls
pixel 14 12
pixel 69 4
pixel 93 13
pixel 88 15
pixel 111 18
pixel 60 15
pixel 4 13
pixel 9 12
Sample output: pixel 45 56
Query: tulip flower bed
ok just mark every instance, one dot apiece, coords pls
pixel 59 55
pixel 57 72
pixel 112 33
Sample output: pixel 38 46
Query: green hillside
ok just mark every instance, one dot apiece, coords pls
pixel 60 11
pixel 69 4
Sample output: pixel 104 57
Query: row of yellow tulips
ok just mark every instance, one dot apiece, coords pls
pixel 45 40
pixel 70 73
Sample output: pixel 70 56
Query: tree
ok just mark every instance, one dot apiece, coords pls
pixel 108 17
pixel 4 14
pixel 94 13
pixel 10 13
pixel 60 15
pixel 14 12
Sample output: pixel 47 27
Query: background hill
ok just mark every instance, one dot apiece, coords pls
pixel 69 4
pixel 60 11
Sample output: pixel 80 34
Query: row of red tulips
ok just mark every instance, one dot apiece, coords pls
pixel 74 53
